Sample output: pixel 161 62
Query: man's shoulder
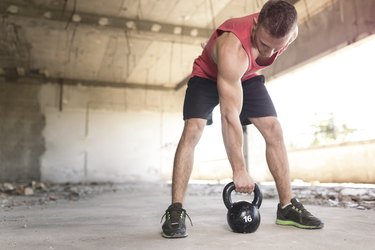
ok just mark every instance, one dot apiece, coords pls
pixel 229 40
pixel 230 47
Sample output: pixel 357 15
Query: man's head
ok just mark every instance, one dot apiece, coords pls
pixel 275 27
pixel 278 18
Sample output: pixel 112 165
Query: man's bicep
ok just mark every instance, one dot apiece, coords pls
pixel 229 85
pixel 232 63
pixel 231 57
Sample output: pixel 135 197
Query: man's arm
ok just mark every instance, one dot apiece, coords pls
pixel 232 62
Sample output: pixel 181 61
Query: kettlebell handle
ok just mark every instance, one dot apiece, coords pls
pixel 227 198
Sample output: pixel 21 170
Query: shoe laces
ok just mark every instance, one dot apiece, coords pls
pixel 299 208
pixel 175 214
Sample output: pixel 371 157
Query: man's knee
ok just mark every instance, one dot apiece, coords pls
pixel 270 128
pixel 193 130
pixel 276 131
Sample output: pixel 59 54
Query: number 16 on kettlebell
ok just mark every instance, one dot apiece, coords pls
pixel 242 216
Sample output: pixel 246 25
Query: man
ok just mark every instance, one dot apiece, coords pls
pixel 225 73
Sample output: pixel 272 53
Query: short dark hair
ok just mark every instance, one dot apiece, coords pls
pixel 278 17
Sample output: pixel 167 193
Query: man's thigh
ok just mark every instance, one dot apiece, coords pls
pixel 256 100
pixel 200 99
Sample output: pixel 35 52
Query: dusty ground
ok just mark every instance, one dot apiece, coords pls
pixel 116 217
pixel 37 193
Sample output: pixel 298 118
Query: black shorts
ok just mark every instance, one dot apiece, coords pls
pixel 202 97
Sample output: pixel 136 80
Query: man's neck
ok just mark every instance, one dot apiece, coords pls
pixel 254 49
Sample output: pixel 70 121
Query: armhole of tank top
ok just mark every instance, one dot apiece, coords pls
pixel 219 32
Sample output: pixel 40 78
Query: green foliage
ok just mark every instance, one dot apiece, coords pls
pixel 328 132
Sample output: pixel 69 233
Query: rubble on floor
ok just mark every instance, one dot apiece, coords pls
pixel 340 195
pixel 359 198
pixel 39 193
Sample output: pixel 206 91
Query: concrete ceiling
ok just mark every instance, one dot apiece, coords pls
pixel 122 43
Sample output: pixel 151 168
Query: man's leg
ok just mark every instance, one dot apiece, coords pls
pixel 290 212
pixel 200 99
pixel 184 157
pixel 276 155
pixel 174 225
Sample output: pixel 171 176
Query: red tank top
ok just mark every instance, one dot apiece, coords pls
pixel 241 27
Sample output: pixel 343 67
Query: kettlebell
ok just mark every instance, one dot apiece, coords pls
pixel 242 216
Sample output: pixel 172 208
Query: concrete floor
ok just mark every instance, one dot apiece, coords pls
pixel 129 219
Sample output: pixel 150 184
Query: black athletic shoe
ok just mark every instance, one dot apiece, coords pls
pixel 296 215
pixel 174 224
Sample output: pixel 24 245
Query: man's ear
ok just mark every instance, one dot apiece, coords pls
pixel 294 35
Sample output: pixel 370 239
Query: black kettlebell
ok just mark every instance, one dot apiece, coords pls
pixel 242 216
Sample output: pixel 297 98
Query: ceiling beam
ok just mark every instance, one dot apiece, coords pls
pixel 175 32
pixel 15 74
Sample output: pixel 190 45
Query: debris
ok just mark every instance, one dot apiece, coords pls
pixel 353 191
pixel 39 193
pixel 39 185
pixel 52 198
pixel 28 191
pixel 333 203
pixel 7 187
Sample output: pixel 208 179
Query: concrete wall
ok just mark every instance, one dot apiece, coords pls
pixel 104 145
pixel 21 125
pixel 344 162
pixel 112 134
pixel 349 162
pixel 91 134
